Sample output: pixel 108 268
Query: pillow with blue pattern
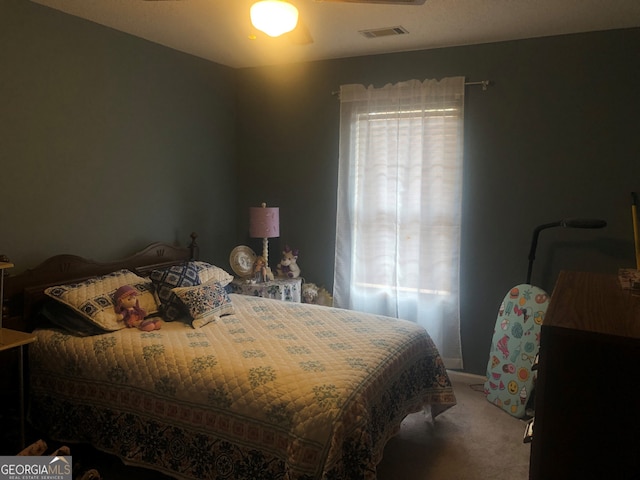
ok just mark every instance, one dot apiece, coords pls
pixel 93 298
pixel 166 279
pixel 206 303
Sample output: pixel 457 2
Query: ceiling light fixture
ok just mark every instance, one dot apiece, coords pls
pixel 274 17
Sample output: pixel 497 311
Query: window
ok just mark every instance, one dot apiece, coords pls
pixel 399 198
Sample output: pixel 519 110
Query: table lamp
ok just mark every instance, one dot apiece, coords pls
pixel 264 222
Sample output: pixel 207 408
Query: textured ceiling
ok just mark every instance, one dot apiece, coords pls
pixel 219 30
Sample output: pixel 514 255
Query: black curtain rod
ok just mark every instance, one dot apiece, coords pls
pixel 484 83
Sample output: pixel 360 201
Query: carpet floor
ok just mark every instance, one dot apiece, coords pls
pixel 472 440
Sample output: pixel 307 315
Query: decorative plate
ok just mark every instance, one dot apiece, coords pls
pixel 242 259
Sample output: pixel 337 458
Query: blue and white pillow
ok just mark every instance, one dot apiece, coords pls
pixel 166 279
pixel 93 298
pixel 206 303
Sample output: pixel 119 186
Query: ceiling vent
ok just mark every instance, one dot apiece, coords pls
pixel 390 2
pixel 383 32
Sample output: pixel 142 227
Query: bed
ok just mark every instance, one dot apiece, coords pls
pixel 234 386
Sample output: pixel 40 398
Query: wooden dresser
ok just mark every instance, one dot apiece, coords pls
pixel 587 418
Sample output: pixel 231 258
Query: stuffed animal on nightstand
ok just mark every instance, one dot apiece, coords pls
pixel 288 266
pixel 128 310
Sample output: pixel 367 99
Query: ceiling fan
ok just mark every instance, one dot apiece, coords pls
pixel 300 34
pixel 390 2
pixel 278 18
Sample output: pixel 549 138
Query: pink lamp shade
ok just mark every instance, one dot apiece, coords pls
pixel 264 222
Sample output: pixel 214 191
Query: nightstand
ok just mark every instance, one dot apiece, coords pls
pixel 13 339
pixel 10 339
pixel 286 289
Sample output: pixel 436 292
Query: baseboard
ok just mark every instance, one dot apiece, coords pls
pixel 467 376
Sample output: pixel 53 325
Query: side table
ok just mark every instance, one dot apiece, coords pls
pixel 13 339
pixel 286 289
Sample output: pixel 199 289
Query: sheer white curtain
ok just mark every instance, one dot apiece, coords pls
pixel 399 203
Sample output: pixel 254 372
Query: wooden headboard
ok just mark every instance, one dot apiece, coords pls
pixel 24 293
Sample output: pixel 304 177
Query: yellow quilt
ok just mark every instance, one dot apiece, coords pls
pixel 276 390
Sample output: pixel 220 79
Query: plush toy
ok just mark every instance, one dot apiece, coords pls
pixel 288 266
pixel 261 272
pixel 129 311
pixel 311 293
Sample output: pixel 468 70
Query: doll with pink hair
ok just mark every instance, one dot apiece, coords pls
pixel 129 311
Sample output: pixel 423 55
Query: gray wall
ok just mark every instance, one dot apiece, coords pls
pixel 109 142
pixel 555 136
